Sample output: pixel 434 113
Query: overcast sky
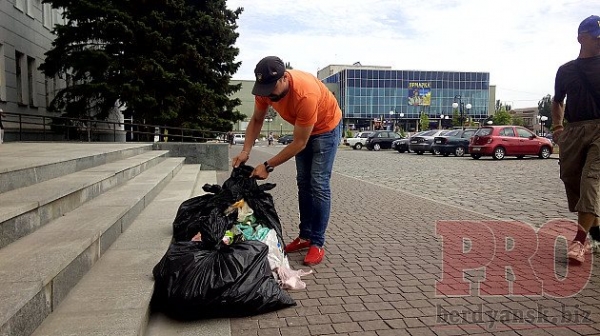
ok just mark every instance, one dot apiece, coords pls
pixel 520 43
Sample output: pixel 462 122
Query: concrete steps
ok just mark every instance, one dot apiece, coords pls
pixel 24 210
pixel 77 250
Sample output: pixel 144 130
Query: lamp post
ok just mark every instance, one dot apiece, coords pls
pixel 441 121
pixel 541 120
pixel 392 119
pixel 280 129
pixel 461 107
pixel 268 120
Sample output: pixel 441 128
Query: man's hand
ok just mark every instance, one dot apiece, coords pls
pixel 240 159
pixel 260 172
pixel 556 134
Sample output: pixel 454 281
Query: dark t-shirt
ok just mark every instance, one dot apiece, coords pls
pixel 580 103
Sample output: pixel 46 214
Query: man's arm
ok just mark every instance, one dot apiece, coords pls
pixel 254 127
pixel 558 113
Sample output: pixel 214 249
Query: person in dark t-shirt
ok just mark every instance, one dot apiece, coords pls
pixel 579 82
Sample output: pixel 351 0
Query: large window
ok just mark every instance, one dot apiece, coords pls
pixel 19 66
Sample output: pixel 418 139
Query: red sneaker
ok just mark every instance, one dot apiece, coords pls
pixel 297 244
pixel 314 256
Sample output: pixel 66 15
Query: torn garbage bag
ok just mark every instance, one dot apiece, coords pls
pixel 195 214
pixel 207 278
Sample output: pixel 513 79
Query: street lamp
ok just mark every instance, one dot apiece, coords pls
pixel 280 129
pixel 392 119
pixel 268 120
pixel 462 107
pixel 542 120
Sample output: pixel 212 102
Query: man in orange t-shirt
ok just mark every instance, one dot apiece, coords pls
pixel 304 101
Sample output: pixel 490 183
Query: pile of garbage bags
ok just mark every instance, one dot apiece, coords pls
pixel 226 258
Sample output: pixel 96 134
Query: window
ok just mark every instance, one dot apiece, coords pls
pixel 19 59
pixel 2 75
pixel 523 133
pixel 29 7
pixel 31 81
pixel 47 16
pixel 48 89
pixel 507 131
pixel 20 5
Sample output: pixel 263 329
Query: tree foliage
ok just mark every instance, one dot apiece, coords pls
pixel 424 122
pixel 455 118
pixel 167 62
pixel 518 121
pixel 502 117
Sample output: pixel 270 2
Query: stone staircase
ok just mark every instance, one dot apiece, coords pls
pixel 81 227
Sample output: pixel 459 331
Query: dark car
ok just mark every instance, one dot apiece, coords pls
pixel 285 139
pixel 381 140
pixel 424 142
pixel 401 145
pixel 454 142
pixel 501 141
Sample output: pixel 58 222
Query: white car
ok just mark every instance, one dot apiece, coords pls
pixel 358 141
pixel 240 138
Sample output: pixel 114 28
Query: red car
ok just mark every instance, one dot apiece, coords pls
pixel 501 141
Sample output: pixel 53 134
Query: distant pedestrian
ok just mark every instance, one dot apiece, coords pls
pixel 270 138
pixel 230 137
pixel 579 141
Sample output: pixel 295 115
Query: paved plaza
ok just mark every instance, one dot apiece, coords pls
pixel 384 257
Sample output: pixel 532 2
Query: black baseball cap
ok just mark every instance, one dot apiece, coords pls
pixel 268 71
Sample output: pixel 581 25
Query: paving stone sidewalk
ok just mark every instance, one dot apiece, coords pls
pixel 382 262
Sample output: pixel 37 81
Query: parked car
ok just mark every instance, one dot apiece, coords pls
pixel 401 145
pixel 454 142
pixel 501 141
pixel 239 139
pixel 357 141
pixel 424 142
pixel 285 139
pixel 381 140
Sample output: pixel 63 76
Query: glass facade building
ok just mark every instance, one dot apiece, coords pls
pixel 367 96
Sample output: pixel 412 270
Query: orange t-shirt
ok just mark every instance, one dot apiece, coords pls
pixel 308 102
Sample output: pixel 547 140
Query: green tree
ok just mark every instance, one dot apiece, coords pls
pixel 455 118
pixel 271 113
pixel 518 121
pixel 502 117
pixel 424 122
pixel 499 105
pixel 545 109
pixel 167 62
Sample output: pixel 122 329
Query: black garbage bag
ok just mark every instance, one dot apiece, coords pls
pixel 209 279
pixel 195 282
pixel 199 214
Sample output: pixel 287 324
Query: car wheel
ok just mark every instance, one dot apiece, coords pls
pixel 499 153
pixel 544 152
pixel 476 156
pixel 376 146
pixel 436 152
pixel 358 146
pixel 459 151
pixel 419 152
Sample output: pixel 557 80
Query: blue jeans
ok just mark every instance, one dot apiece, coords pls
pixel 314 165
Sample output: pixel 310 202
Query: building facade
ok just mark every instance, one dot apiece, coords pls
pixel 25 35
pixel 372 98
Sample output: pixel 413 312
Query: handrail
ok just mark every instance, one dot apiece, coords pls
pixel 90 128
